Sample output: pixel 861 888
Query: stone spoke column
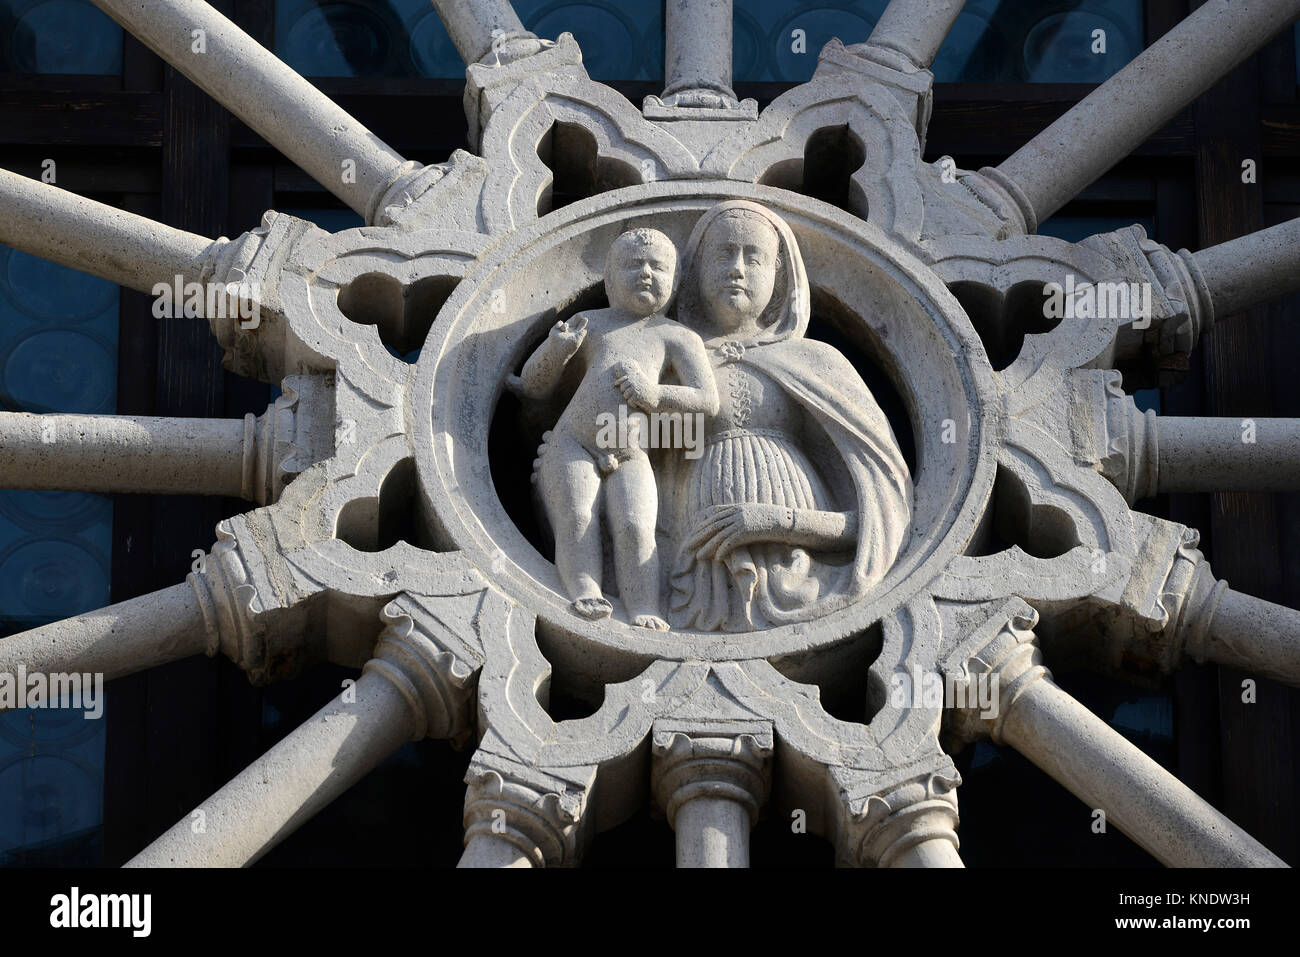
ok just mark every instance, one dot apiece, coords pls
pixel 1118 116
pixel 477 26
pixel 275 101
pixel 217 609
pixel 1104 770
pixel 1246 272
pixel 120 453
pixel 144 632
pixel 1204 454
pixel 516 816
pixel 697 53
pixel 1215 623
pixel 1254 635
pixel 82 234
pixel 711 785
pixel 307 770
pixel 1144 454
pixel 250 458
pixel 698 104
pixel 915 28
pixel 411 689
pixel 1096 763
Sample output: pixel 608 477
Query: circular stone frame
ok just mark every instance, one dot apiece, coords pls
pixel 906 320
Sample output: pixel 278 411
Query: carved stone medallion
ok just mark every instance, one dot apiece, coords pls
pixel 862 287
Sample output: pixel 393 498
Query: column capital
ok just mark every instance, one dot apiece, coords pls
pixel 438 677
pixel 1181 309
pixel 731 761
pixel 1003 653
pixel 1115 437
pixel 488 84
pixel 1163 611
pixel 1192 596
pixel 1004 196
pixel 540 812
pixel 893 822
pixel 295 432
pixel 250 267
pixel 232 609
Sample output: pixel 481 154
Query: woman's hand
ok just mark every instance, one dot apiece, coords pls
pixel 637 388
pixel 728 527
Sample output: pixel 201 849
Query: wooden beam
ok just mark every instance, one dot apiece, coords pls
pixel 983 119
pixel 1257 739
pixel 176 732
pixel 80 118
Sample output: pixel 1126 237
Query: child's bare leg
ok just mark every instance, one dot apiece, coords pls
pixel 631 501
pixel 570 488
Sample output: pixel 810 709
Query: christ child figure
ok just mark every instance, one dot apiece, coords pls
pixel 623 355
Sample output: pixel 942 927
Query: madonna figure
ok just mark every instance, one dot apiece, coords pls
pixel 801 499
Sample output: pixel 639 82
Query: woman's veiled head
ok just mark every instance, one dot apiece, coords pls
pixel 746 275
pixel 738 262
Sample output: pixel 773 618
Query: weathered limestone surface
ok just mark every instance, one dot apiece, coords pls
pixel 1198 454
pixel 144 632
pixel 698 51
pixel 800 534
pixel 1243 273
pixel 916 28
pixel 79 233
pixel 251 458
pixel 281 106
pixel 1142 97
pixel 313 765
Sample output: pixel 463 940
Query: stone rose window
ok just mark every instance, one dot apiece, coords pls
pixel 623 446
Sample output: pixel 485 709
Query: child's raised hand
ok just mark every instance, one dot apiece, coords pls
pixel 569 334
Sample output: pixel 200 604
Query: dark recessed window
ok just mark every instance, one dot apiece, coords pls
pixel 620 41
pixel 58 353
pixel 1075 41
pixel 58 36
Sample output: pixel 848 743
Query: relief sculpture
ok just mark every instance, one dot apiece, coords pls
pixel 797 499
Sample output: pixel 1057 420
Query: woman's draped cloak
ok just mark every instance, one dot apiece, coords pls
pixel 768 584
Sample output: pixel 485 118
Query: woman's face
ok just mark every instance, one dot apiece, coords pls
pixel 737 263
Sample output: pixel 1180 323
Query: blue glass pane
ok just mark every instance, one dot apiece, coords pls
pixel 775 40
pixel 1065 41
pixel 1147 399
pixel 58 36
pixel 330 220
pixel 58 353
pixel 975 51
pixel 992 40
pixel 1075 228
pixel 620 40
pixel 788 36
pixel 341 39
